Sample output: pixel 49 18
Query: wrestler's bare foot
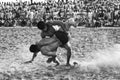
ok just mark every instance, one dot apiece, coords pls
pixel 68 64
pixel 49 60
pixel 55 61
pixel 57 64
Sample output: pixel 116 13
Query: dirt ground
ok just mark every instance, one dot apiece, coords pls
pixel 97 52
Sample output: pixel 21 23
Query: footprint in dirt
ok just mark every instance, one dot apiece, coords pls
pixel 63 67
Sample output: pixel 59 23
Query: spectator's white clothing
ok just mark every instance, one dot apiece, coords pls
pixel 90 14
pixel 31 15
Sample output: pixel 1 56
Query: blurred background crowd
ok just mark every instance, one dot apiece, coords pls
pixel 89 13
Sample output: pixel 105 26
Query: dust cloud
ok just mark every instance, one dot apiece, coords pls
pixel 106 58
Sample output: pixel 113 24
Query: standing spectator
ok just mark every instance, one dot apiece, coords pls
pixel 30 15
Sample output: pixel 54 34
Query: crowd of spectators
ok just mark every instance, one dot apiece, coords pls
pixel 89 13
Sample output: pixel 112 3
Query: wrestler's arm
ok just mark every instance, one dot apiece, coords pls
pixel 33 57
pixel 43 35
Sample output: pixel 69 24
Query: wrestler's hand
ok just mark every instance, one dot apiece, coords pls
pixel 27 62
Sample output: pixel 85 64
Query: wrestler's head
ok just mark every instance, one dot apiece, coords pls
pixel 34 48
pixel 41 25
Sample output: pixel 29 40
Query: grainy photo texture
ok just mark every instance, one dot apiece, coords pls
pixel 59 40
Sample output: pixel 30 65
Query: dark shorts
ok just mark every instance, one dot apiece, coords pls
pixel 62 36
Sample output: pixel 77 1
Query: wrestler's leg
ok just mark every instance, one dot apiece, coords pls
pixel 46 41
pixel 68 53
pixel 50 51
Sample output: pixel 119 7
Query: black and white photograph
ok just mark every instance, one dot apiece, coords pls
pixel 59 39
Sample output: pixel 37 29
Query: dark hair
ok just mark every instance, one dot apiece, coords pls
pixel 62 36
pixel 34 48
pixel 41 25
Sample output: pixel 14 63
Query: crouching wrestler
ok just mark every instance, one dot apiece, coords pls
pixel 48 47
